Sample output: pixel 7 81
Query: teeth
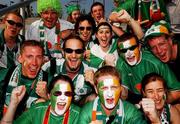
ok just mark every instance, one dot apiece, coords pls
pixel 61 103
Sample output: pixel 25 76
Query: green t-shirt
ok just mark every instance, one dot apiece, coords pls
pixel 131 114
pixel 132 75
pixel 35 115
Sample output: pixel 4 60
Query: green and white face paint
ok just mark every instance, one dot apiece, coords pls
pixel 61 96
pixel 129 50
pixel 109 92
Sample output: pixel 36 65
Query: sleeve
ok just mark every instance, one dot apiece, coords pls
pixel 86 114
pixel 171 80
pixel 133 115
pixel 25 118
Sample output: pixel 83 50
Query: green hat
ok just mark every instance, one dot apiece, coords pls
pixel 72 8
pixel 157 29
pixel 46 4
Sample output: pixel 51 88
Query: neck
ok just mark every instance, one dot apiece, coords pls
pixel 174 52
pixel 105 49
pixel 71 73
pixel 107 111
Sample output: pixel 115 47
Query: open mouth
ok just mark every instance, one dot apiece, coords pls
pixel 131 59
pixel 110 100
pixel 61 105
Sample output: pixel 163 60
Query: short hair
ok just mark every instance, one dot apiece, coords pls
pixel 127 36
pixel 85 18
pixel 31 43
pixel 60 77
pixel 106 70
pixel 97 4
pixel 13 13
pixel 150 78
pixel 74 37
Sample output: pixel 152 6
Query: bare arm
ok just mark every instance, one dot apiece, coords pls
pixel 173 96
pixel 175 115
pixel 16 96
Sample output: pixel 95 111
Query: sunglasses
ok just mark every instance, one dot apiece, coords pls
pixel 18 24
pixel 130 48
pixel 83 28
pixel 77 51
pixel 59 93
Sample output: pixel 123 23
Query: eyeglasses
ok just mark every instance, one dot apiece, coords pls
pixel 59 93
pixel 130 48
pixel 87 28
pixel 77 51
pixel 11 22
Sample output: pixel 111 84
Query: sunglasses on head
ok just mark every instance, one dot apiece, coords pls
pixel 130 48
pixel 77 51
pixel 18 24
pixel 59 93
pixel 87 28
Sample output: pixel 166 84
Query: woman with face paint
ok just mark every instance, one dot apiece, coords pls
pixel 58 110
pixel 108 107
pixel 154 102
pixel 105 51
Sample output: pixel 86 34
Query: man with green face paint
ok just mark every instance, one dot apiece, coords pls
pixel 107 108
pixel 133 64
pixel 58 111
pixel 72 65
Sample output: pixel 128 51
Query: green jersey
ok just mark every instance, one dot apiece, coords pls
pixel 124 113
pixel 36 115
pixel 132 75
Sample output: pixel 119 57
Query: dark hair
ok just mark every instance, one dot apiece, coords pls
pixel 13 13
pixel 150 78
pixel 99 25
pixel 127 36
pixel 106 70
pixel 31 43
pixel 97 4
pixel 74 37
pixel 60 77
pixel 85 18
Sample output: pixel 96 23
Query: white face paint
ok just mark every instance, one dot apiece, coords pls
pixel 60 101
pixel 131 55
pixel 109 94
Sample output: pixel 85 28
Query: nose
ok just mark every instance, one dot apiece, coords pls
pixel 156 95
pixel 62 97
pixel 73 54
pixel 34 62
pixel 110 93
pixel 158 49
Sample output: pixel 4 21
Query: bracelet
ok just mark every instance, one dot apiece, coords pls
pixel 6 121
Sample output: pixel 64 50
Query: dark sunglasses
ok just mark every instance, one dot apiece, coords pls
pixel 11 22
pixel 59 93
pixel 83 28
pixel 130 48
pixel 77 51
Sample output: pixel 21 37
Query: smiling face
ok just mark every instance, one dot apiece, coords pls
pixel 31 60
pixel 61 97
pixel 130 51
pixel 104 36
pixel 12 29
pixel 155 90
pixel 109 89
pixel 161 48
pixel 97 13
pixel 73 54
pixel 75 14
pixel 85 30
pixel 49 18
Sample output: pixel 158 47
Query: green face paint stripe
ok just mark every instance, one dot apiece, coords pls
pixel 101 95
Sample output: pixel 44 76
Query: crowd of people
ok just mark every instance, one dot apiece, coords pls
pixel 90 69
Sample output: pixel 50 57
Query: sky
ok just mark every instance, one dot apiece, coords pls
pixel 84 4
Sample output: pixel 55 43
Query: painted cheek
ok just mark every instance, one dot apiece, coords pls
pixel 53 100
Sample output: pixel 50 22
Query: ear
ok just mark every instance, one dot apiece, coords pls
pixel 96 89
pixel 63 53
pixel 20 60
pixel 143 93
